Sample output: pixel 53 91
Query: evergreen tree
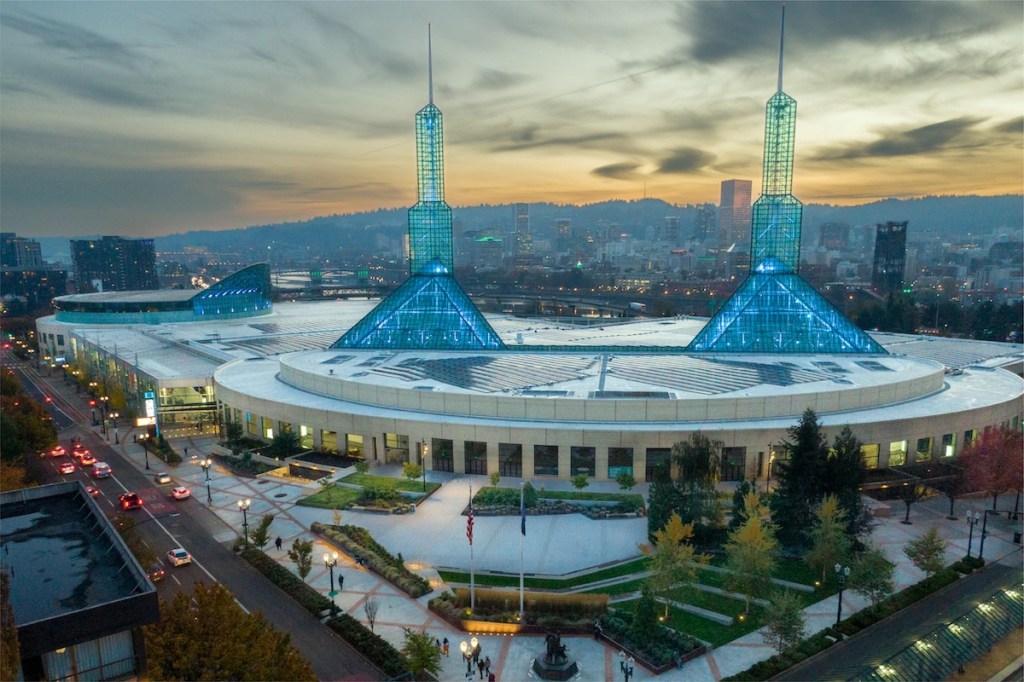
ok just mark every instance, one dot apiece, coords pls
pixel 661 500
pixel 843 474
pixel 261 531
pixel 645 618
pixel 739 496
pixel 799 478
pixel 205 635
pixel 699 461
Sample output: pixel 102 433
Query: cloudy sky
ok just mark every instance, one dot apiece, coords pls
pixel 147 118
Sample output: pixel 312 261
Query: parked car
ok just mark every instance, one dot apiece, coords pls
pixel 66 467
pixel 101 470
pixel 130 500
pixel 181 493
pixel 179 557
pixel 162 477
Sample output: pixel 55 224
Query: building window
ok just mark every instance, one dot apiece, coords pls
pixel 329 441
pixel 60 339
pixel 268 427
pixel 869 453
pixel 443 459
pixel 510 459
pixel 305 437
pixel 924 449
pixel 949 445
pixel 620 461
pixel 657 457
pixel 251 425
pixel 734 462
pixel 545 460
pixel 969 436
pixel 897 453
pixel 396 448
pixel 476 457
pixel 582 460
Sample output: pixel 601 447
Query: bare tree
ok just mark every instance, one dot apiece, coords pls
pixel 370 607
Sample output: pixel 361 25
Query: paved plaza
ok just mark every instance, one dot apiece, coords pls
pixel 434 536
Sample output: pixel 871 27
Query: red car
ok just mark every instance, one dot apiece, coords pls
pixel 66 467
pixel 92 490
pixel 58 451
pixel 130 501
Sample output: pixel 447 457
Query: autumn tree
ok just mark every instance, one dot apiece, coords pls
pixel 928 552
pixel 302 554
pixel 872 575
pixel 421 654
pixel 738 503
pixel 206 635
pixel 751 552
pixel 830 544
pixel 672 557
pixel 993 463
pixel 784 621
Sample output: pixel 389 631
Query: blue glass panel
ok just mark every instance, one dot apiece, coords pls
pixel 244 293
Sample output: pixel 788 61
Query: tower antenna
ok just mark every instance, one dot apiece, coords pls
pixel 782 42
pixel 430 67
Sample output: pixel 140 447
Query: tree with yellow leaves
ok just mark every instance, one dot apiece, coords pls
pixel 673 563
pixel 830 544
pixel 751 551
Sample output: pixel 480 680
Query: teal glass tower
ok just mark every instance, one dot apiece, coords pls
pixel 775 310
pixel 429 311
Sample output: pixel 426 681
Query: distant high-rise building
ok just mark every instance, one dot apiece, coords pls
pixel 705 224
pixel 563 234
pixel 670 230
pixel 734 213
pixel 18 252
pixel 890 257
pixel 834 236
pixel 523 236
pixel 114 264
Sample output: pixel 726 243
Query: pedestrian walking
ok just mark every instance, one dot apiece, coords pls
pixel 186 452
pixel 437 643
pixel 480 667
pixel 487 665
pixel 278 542
pixel 445 644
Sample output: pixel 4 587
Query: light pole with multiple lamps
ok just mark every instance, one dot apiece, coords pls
pixel 842 573
pixel 113 423
pixel 243 506
pixel 771 460
pixel 972 520
pixel 626 665
pixel 206 464
pixel 469 650
pixel 424 449
pixel 330 561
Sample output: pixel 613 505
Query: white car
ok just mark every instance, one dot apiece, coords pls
pixel 179 557
pixel 162 477
pixel 181 493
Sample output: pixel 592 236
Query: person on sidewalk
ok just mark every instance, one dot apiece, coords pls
pixel 480 667
pixel 278 542
pixel 445 644
pixel 487 666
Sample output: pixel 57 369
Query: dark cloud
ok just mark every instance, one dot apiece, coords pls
pixel 914 141
pixel 492 79
pixel 1015 126
pixel 627 170
pixel 371 55
pixel 685 160
pixel 726 30
pixel 916 72
pixel 527 138
pixel 95 87
pixel 82 43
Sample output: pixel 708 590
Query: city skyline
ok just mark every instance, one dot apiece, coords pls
pixel 155 118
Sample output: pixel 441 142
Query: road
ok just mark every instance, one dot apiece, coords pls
pixel 164 523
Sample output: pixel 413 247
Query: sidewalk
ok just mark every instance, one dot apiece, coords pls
pixel 554 545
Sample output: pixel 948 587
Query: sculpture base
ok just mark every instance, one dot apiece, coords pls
pixel 545 670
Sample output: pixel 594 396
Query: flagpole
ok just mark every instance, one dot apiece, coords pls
pixel 522 544
pixel 472 580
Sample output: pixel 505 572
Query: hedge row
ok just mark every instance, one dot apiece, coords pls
pixel 386 657
pixel 659 650
pixel 359 542
pixel 308 598
pixel 855 623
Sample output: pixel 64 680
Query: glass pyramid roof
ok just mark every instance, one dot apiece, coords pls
pixel 429 311
pixel 778 312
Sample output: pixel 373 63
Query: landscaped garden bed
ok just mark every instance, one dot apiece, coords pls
pixel 494 501
pixel 358 542
pixel 544 610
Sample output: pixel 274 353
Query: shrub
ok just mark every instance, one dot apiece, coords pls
pixel 358 541
pixel 379 651
pixel 291 584
pixel 658 649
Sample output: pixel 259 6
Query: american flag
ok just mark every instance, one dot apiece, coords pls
pixel 469 519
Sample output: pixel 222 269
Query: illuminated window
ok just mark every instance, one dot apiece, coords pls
pixel 949 445
pixel 923 451
pixel 869 453
pixel 898 453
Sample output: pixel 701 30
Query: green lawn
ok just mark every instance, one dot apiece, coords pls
pixel 705 629
pixel 335 497
pixel 396 483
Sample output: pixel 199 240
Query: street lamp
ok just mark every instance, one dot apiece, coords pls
pixel 626 665
pixel 842 573
pixel 972 520
pixel 113 421
pixel 330 561
pixel 771 460
pixel 470 651
pixel 984 526
pixel 243 506
pixel 424 449
pixel 206 464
